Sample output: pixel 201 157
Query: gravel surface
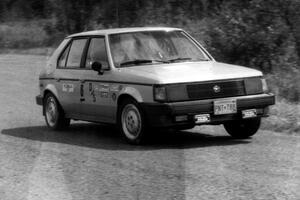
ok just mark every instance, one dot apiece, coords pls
pixel 91 161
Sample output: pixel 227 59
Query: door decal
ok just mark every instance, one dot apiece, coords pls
pixel 82 93
pixel 92 92
pixel 102 90
pixel 81 90
pixel 67 87
pixel 104 94
pixel 114 96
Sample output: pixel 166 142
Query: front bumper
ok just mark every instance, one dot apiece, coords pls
pixel 163 114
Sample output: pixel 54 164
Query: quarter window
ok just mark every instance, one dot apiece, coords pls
pixel 63 58
pixel 75 54
pixel 97 53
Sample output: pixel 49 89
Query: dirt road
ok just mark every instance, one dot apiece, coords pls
pixel 91 161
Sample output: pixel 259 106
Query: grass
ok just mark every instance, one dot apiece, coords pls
pixel 284 117
pixel 47 51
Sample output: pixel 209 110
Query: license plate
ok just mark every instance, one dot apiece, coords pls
pixel 225 107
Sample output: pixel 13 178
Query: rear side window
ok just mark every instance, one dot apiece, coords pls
pixel 63 58
pixel 75 54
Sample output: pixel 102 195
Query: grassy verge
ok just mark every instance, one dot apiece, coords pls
pixel 284 117
pixel 30 51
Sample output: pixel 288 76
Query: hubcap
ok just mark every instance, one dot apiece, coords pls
pixel 51 111
pixel 131 121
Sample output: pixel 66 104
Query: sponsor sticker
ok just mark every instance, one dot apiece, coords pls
pixel 104 94
pixel 114 96
pixel 101 89
pixel 67 87
pixel 114 88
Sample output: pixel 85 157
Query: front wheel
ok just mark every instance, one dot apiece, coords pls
pixel 54 114
pixel 131 122
pixel 242 129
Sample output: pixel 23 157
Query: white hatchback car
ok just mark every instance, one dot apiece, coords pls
pixel 140 78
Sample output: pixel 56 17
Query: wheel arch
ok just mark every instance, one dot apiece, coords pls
pixel 121 99
pixel 52 90
pixel 128 93
pixel 132 93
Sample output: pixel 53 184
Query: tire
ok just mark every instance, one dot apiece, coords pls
pixel 54 114
pixel 242 129
pixel 131 122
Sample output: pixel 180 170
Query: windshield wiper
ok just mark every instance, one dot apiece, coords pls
pixel 179 59
pixel 140 61
pixel 186 59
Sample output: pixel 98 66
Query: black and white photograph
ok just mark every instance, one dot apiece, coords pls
pixel 149 100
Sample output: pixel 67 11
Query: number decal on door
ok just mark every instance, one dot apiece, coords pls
pixel 82 93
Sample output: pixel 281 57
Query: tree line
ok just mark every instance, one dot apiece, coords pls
pixel 263 34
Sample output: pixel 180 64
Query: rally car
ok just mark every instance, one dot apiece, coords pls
pixel 144 78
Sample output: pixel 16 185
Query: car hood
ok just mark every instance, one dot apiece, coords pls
pixel 188 72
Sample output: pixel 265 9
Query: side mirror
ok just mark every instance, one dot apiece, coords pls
pixel 97 66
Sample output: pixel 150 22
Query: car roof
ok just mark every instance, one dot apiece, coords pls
pixel 122 30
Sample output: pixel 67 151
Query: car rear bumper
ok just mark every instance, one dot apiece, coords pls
pixel 39 100
pixel 164 114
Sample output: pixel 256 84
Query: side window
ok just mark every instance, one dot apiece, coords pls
pixel 97 53
pixel 75 53
pixel 63 58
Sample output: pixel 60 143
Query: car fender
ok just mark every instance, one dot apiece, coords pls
pixel 51 87
pixel 131 91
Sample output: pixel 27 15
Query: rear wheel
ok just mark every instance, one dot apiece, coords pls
pixel 131 122
pixel 54 114
pixel 242 129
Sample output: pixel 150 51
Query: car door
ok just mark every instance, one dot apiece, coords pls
pixel 99 98
pixel 69 77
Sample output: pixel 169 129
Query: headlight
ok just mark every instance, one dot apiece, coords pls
pixel 160 93
pixel 253 86
pixel 264 85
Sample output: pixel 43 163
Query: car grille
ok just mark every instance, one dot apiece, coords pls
pixel 216 89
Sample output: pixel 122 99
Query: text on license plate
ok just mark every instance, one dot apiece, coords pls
pixel 225 107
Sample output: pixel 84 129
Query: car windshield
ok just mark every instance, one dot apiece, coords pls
pixel 149 47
